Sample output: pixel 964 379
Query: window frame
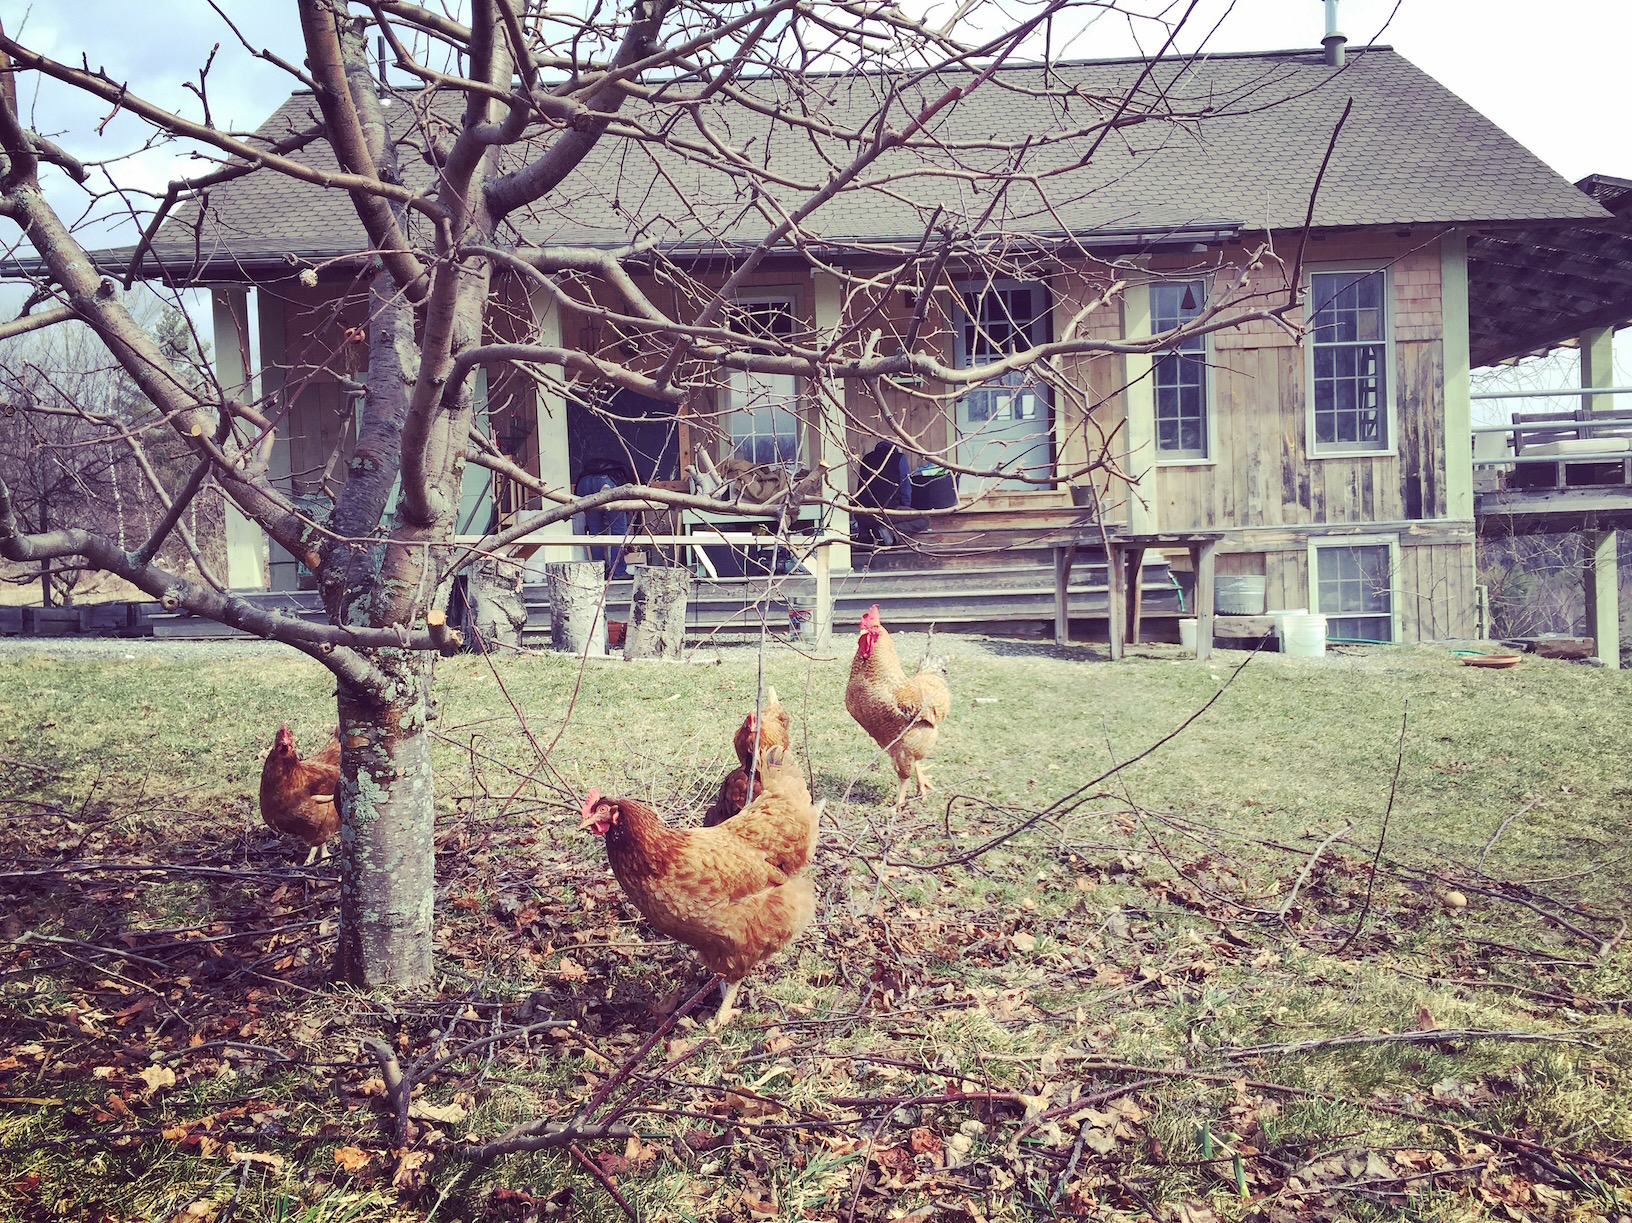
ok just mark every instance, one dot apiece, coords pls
pixel 1208 402
pixel 1317 543
pixel 763 296
pixel 1348 450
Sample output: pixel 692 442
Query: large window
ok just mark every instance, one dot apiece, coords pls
pixel 1349 374
pixel 1180 373
pixel 1354 590
pixel 763 417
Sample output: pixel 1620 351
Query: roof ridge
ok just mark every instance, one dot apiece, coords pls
pixel 1032 65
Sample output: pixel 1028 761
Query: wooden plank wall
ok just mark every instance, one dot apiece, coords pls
pixel 1433 587
pixel 1262 475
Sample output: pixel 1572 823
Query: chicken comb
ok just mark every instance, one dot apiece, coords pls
pixel 869 618
pixel 590 799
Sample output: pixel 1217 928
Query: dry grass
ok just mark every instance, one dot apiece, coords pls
pixel 1137 930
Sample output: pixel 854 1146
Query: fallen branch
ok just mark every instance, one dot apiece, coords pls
pixel 604 1179
pixel 549 1135
pixel 1441 1036
pixel 1309 866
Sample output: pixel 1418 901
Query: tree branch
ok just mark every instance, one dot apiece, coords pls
pixel 356 131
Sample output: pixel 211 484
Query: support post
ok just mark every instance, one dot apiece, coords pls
pixel 550 416
pixel 246 542
pixel 1459 438
pixel 1064 554
pixel 1603 596
pixel 1201 560
pixel 1114 598
pixel 1598 367
pixel 283 569
pixel 822 567
pixel 832 448
pixel 1135 580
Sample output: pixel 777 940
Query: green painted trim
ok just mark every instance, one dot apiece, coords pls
pixel 1453 289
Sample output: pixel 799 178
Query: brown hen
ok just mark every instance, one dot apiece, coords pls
pixel 736 893
pixel 297 796
pixel 902 715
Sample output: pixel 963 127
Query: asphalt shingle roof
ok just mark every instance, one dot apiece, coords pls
pixel 1246 156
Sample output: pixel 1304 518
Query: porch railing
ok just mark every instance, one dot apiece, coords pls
pixel 1531 440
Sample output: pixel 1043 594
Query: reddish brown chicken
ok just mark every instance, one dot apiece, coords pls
pixel 775 733
pixel 902 715
pixel 297 796
pixel 736 893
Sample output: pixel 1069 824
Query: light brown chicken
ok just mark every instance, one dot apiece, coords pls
pixel 902 715
pixel 734 789
pixel 736 893
pixel 297 796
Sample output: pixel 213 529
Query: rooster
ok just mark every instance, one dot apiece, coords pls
pixel 902 715
pixel 775 733
pixel 297 796
pixel 736 893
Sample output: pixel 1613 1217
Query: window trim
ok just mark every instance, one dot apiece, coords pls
pixel 1374 540
pixel 1311 448
pixel 759 295
pixel 1209 404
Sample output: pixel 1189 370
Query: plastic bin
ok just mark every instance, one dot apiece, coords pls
pixel 1238 594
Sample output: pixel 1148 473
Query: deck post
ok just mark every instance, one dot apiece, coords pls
pixel 1598 367
pixel 1063 556
pixel 1602 596
pixel 1114 596
pixel 1201 560
pixel 1135 580
pixel 822 566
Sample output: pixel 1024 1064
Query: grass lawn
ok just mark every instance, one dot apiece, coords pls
pixel 1123 1011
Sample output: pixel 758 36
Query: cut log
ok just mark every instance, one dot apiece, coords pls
pixel 498 612
pixel 577 604
pixel 657 613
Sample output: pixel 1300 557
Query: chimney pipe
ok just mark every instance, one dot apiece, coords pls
pixel 1334 42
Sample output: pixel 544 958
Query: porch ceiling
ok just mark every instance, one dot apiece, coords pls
pixel 1533 288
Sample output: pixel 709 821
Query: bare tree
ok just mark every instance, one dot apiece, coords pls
pixel 707 141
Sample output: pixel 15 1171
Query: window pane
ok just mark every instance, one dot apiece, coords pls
pixel 1352 582
pixel 1180 380
pixel 1348 391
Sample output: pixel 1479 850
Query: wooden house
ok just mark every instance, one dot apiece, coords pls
pixel 1334 454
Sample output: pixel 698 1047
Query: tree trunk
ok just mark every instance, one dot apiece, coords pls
pixel 577 606
pixel 657 613
pixel 387 808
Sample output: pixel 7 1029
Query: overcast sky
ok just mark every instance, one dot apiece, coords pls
pixel 1551 74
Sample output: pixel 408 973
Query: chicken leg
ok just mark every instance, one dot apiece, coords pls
pixel 728 993
pixel 924 786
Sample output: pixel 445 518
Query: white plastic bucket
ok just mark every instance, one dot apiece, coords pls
pixel 1303 636
pixel 1187 633
pixel 1239 594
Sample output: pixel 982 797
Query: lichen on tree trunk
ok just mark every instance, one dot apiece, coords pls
pixel 387 804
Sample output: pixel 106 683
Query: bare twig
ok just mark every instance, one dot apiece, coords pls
pixel 1371 879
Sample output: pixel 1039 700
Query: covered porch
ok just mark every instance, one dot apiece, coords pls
pixel 1559 471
